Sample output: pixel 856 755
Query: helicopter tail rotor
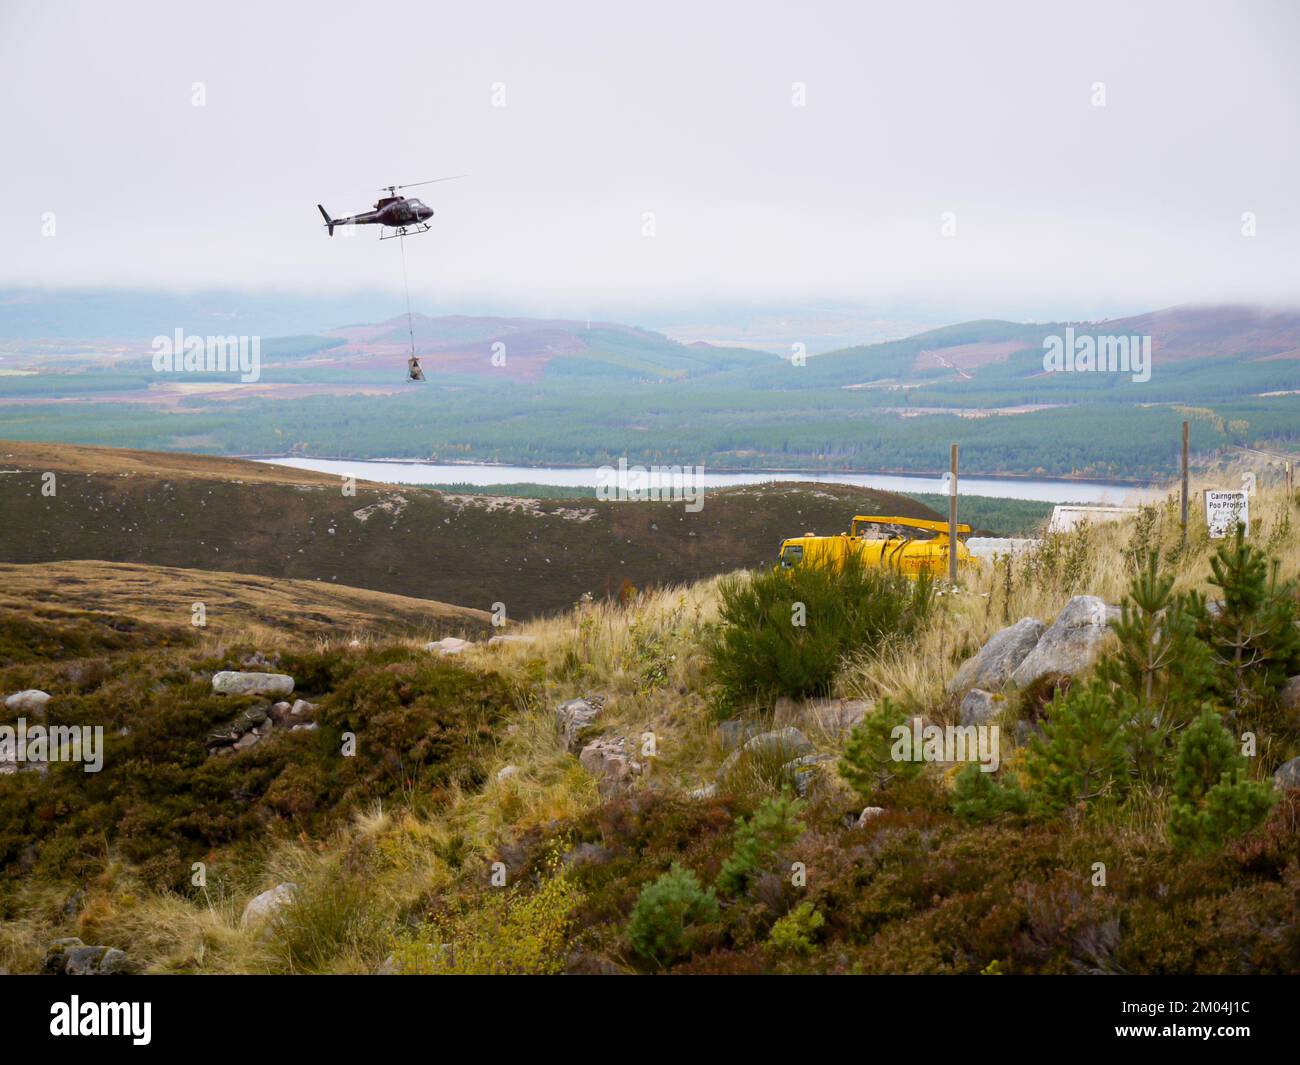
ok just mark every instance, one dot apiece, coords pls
pixel 329 222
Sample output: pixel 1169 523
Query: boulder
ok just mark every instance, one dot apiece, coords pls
pixel 572 717
pixel 451 645
pixel 993 664
pixel 736 731
pixel 262 906
pixel 230 682
pixel 1070 645
pixel 507 771
pixel 301 707
pixel 1287 775
pixel 31 701
pixel 1290 694
pixel 979 707
pixel 869 813
pixel 834 716
pixel 786 744
pixel 500 641
pixel 608 761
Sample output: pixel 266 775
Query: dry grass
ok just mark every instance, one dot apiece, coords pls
pixel 236 605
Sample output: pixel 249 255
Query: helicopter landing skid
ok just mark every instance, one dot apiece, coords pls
pixel 406 231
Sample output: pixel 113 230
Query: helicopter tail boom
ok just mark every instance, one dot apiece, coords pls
pixel 329 222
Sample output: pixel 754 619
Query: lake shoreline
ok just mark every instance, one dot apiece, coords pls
pixel 1116 482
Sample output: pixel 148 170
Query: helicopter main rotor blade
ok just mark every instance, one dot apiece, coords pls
pixel 416 184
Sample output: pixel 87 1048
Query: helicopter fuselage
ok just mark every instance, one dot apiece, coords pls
pixel 395 211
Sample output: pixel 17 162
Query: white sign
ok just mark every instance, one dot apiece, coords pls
pixel 1225 510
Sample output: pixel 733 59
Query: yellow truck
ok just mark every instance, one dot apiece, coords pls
pixel 909 545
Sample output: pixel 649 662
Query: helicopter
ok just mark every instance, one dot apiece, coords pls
pixel 405 215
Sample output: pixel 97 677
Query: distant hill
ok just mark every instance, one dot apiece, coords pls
pixel 200 513
pixel 1223 333
pixel 527 348
pixel 235 605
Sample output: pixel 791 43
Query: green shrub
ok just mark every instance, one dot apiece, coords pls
pixel 668 915
pixel 1159 671
pixel 1253 632
pixel 1082 753
pixel 773 827
pixel 794 933
pixel 980 796
pixel 1213 800
pixel 784 632
pixel 868 764
pixel 500 932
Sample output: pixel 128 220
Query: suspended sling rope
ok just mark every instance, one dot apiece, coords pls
pixel 412 364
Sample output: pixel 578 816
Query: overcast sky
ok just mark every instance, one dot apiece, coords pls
pixel 687 111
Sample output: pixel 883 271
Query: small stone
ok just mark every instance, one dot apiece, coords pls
pixel 507 771
pixel 869 813
pixel 1287 775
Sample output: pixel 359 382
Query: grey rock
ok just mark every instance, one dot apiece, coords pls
pixel 803 771
pixel 94 961
pixel 301 708
pixel 1287 775
pixel 572 717
pixel 507 771
pixel 31 701
pixel 230 682
pixel 282 714
pixel 262 906
pixel 608 761
pixel 785 743
pixel 56 954
pixel 245 723
pixel 1290 694
pixel 1070 645
pixel 979 707
pixel 869 813
pixel 834 716
pixel 736 731
pixel 993 664
pixel 451 645
pixel 500 641
pixel 310 726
